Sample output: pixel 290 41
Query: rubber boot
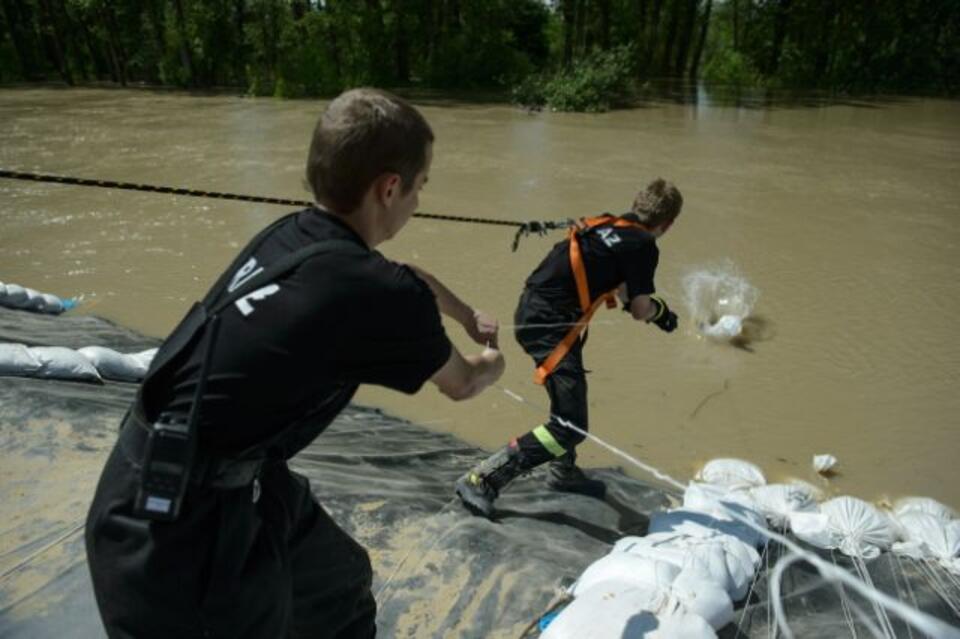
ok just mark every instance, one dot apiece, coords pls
pixel 564 475
pixel 480 486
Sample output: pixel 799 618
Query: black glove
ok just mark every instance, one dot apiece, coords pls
pixel 664 318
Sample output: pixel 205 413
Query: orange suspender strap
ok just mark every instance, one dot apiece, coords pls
pixel 583 293
pixel 579 272
pixel 543 371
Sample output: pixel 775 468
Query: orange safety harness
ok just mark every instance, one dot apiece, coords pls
pixel 583 291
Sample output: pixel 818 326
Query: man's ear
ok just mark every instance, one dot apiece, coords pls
pixel 387 188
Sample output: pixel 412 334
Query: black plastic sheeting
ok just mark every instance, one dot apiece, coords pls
pixel 439 572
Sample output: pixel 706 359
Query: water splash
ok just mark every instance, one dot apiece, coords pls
pixel 719 299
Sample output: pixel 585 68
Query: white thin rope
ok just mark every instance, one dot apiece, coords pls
pixel 753 583
pixel 906 579
pixel 874 629
pixel 778 549
pixel 414 547
pixel 20 564
pixel 613 449
pixel 865 576
pixel 930 571
pixel 844 602
pixel 919 619
pixel 952 576
pixel 774 597
pixel 949 580
pixel 892 561
pixel 768 605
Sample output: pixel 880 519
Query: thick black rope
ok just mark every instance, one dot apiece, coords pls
pixel 130 186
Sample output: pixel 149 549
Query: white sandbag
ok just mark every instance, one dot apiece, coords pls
pixel 726 327
pixel 714 507
pixel 695 523
pixel 34 301
pixel 629 569
pixel 145 357
pixel 714 562
pixel 669 547
pixel 851 525
pixel 928 537
pixel 813 528
pixel 721 500
pixel 924 505
pixel 824 463
pixel 733 473
pixel 19 297
pixel 724 560
pixel 703 598
pixel 52 304
pixel 688 626
pixel 114 365
pixel 613 609
pixel 777 501
pixel 14 296
pixel 692 593
pixel 64 363
pixel 16 359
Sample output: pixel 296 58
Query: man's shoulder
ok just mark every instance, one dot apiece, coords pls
pixel 623 239
pixel 637 239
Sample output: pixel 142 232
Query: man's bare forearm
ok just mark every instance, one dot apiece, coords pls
pixel 448 302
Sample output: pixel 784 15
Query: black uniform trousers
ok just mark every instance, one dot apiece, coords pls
pixel 541 325
pixel 230 566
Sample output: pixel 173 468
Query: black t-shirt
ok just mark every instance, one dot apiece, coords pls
pixel 611 256
pixel 295 349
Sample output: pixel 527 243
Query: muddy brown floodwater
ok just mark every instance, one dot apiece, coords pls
pixel 844 215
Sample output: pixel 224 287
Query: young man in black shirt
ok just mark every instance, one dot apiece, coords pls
pixel 603 258
pixel 306 313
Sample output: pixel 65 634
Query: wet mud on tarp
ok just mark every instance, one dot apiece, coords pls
pixel 439 572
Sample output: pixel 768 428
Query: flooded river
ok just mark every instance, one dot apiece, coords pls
pixel 843 215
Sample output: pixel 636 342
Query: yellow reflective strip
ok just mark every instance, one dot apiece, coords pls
pixel 545 437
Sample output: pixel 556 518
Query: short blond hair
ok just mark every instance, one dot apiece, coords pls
pixel 657 204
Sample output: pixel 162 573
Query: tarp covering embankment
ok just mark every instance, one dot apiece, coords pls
pixel 439 571
pixel 386 481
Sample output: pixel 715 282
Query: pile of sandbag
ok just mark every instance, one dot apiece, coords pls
pixel 27 299
pixel 89 364
pixel 683 578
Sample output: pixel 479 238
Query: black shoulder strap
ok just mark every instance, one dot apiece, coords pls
pixel 244 255
pixel 193 325
pixel 280 267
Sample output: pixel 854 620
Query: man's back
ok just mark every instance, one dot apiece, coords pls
pixel 301 345
pixel 611 256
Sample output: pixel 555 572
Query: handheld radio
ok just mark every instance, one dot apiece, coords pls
pixel 169 451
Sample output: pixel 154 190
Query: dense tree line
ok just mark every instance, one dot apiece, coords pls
pixel 551 51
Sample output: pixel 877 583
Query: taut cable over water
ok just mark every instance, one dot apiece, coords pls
pixel 170 190
pixel 523 228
